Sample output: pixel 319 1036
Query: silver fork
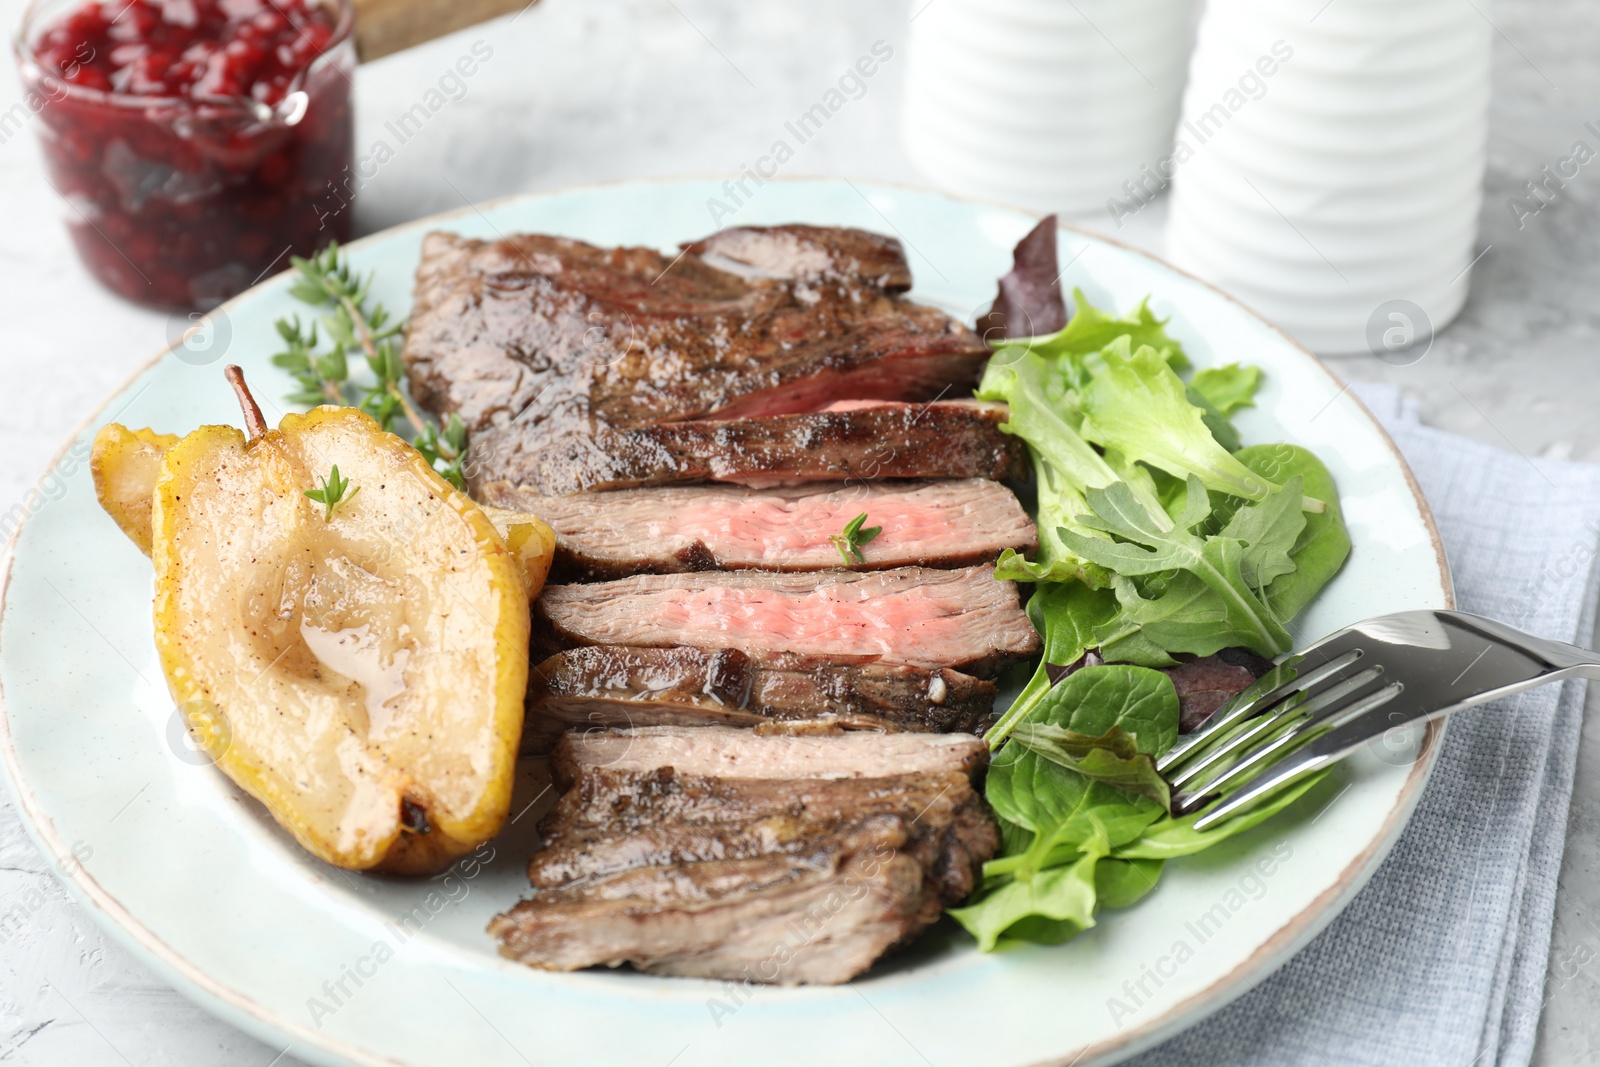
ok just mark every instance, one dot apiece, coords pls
pixel 1349 689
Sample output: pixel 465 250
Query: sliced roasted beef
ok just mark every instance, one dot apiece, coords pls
pixel 715 527
pixel 611 686
pixel 917 616
pixel 562 335
pixel 854 443
pixel 722 853
pixel 747 754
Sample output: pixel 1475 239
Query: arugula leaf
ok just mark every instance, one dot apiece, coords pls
pixel 1269 531
pixel 1220 563
pixel 1135 403
pixel 1322 546
pixel 1059 504
pixel 1227 388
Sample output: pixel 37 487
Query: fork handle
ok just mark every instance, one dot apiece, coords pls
pixel 1563 658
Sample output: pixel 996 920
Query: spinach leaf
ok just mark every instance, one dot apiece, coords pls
pixel 1112 757
pixel 1168 838
pixel 1061 808
pixel 1051 907
pixel 1228 388
pixel 1070 617
pixel 1119 883
pixel 1095 701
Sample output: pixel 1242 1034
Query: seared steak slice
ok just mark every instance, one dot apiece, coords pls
pixel 763 859
pixel 714 527
pixel 853 443
pixel 606 685
pixel 917 616
pixel 563 335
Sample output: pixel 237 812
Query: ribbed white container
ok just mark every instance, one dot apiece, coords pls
pixel 1349 176
pixel 1049 104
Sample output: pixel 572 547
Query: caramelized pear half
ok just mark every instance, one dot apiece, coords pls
pixel 362 673
pixel 125 464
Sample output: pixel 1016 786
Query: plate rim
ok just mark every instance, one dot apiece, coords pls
pixel 239 1009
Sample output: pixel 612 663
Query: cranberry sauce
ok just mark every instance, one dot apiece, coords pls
pixel 193 139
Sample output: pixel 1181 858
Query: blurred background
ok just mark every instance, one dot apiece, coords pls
pixel 579 91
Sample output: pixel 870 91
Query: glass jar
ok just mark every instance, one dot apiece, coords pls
pixel 181 201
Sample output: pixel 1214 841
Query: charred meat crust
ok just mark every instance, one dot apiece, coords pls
pixel 708 874
pixel 564 335
pixel 611 686
pixel 947 439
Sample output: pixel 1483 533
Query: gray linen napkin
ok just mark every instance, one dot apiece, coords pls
pixel 1441 958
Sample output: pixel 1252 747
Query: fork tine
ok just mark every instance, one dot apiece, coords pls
pixel 1313 709
pixel 1353 726
pixel 1313 725
pixel 1283 681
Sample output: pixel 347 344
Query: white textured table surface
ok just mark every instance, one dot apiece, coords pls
pixel 589 91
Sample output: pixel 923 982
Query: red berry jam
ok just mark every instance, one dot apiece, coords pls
pixel 193 140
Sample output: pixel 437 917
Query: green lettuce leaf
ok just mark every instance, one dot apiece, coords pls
pixel 1091 329
pixel 1059 505
pixel 1133 402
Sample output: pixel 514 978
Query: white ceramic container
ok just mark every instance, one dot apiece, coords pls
pixel 1329 161
pixel 1049 104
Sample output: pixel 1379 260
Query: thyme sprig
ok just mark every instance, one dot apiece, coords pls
pixel 352 323
pixel 853 537
pixel 332 494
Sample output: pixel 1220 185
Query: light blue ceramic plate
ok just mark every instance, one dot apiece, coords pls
pixel 199 882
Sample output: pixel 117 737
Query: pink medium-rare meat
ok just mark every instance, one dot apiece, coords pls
pixel 961 618
pixel 677 529
pixel 564 336
pixel 860 443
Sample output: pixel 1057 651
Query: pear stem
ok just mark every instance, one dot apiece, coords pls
pixel 254 424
